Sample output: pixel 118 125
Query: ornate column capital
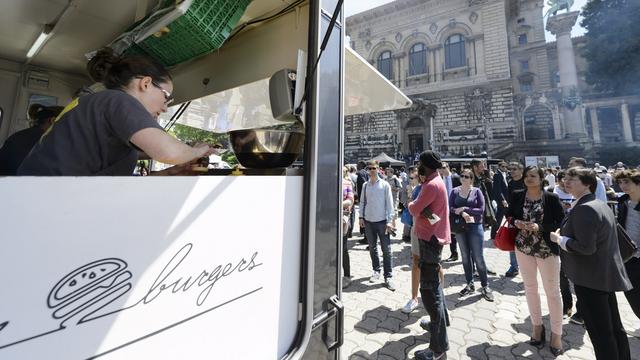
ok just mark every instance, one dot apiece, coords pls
pixel 563 23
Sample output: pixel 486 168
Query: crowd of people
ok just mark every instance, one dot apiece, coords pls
pixel 568 223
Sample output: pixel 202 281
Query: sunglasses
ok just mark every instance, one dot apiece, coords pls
pixel 465 176
pixel 412 178
pixel 373 168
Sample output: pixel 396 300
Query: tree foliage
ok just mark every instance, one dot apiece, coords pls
pixel 612 50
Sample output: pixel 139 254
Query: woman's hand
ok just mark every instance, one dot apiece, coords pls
pixel 458 211
pixel 467 218
pixel 185 169
pixel 203 149
pixel 531 226
pixel 555 236
pixel 519 224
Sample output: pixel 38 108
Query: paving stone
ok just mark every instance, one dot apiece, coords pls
pixel 394 349
pixel 358 356
pixel 485 314
pixel 379 337
pixel 369 325
pixel 350 322
pixel 502 337
pixel 356 337
pixel 476 352
pixel 370 347
pixel 462 325
pixel 499 351
pixel 482 324
pixel 390 324
pixel 524 350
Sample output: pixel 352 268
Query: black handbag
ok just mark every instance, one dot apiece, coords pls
pixel 457 223
pixel 626 245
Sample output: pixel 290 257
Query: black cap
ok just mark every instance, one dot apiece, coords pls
pixel 431 159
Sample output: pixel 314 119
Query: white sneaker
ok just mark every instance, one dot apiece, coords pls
pixel 375 276
pixel 411 305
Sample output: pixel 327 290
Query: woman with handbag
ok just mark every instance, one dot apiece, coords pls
pixel 536 213
pixel 466 204
pixel 591 260
pixel 629 219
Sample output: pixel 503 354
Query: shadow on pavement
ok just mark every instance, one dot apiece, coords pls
pixel 391 349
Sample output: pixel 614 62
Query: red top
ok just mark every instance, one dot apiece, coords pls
pixel 434 195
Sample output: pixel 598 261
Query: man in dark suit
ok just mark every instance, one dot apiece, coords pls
pixel 591 260
pixel 361 177
pixel 451 181
pixel 500 194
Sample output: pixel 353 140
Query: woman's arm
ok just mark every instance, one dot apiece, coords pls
pixel 452 200
pixel 553 214
pixel 163 147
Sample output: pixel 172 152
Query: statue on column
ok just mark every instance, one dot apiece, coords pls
pixel 557 5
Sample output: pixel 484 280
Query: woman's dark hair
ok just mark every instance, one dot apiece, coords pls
pixel 116 73
pixel 586 176
pixel 536 170
pixel 560 175
pixel 633 175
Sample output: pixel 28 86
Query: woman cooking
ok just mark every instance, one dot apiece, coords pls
pixel 102 133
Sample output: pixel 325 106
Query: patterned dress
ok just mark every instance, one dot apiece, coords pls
pixel 531 242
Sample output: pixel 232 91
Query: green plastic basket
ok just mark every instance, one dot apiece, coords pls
pixel 203 28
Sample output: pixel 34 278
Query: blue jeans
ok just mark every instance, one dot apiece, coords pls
pixel 513 261
pixel 373 230
pixel 432 295
pixel 470 242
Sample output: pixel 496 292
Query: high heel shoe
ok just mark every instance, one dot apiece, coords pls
pixel 539 343
pixel 555 351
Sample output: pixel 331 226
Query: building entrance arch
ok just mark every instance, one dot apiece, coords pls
pixel 415 135
pixel 538 123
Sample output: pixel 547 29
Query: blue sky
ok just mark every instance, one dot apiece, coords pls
pixel 355 6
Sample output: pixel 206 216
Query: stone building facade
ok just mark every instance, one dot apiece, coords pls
pixel 482 78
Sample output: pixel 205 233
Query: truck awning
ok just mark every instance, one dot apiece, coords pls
pixel 366 90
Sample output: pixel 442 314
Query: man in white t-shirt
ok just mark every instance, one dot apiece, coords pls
pixel 551 179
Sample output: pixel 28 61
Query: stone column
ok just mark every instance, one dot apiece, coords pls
pixel 560 26
pixel 626 122
pixel 434 51
pixel 595 126
pixel 557 128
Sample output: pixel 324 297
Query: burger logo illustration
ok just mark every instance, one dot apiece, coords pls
pixel 83 293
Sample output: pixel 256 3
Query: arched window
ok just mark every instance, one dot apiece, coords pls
pixel 454 54
pixel 384 64
pixel 418 59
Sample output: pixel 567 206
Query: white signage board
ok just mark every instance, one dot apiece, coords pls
pixel 542 161
pixel 149 268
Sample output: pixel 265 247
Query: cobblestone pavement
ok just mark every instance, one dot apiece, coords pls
pixel 375 327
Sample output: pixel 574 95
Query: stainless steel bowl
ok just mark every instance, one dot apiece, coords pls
pixel 266 148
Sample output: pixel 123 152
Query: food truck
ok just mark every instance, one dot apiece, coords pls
pixel 231 264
